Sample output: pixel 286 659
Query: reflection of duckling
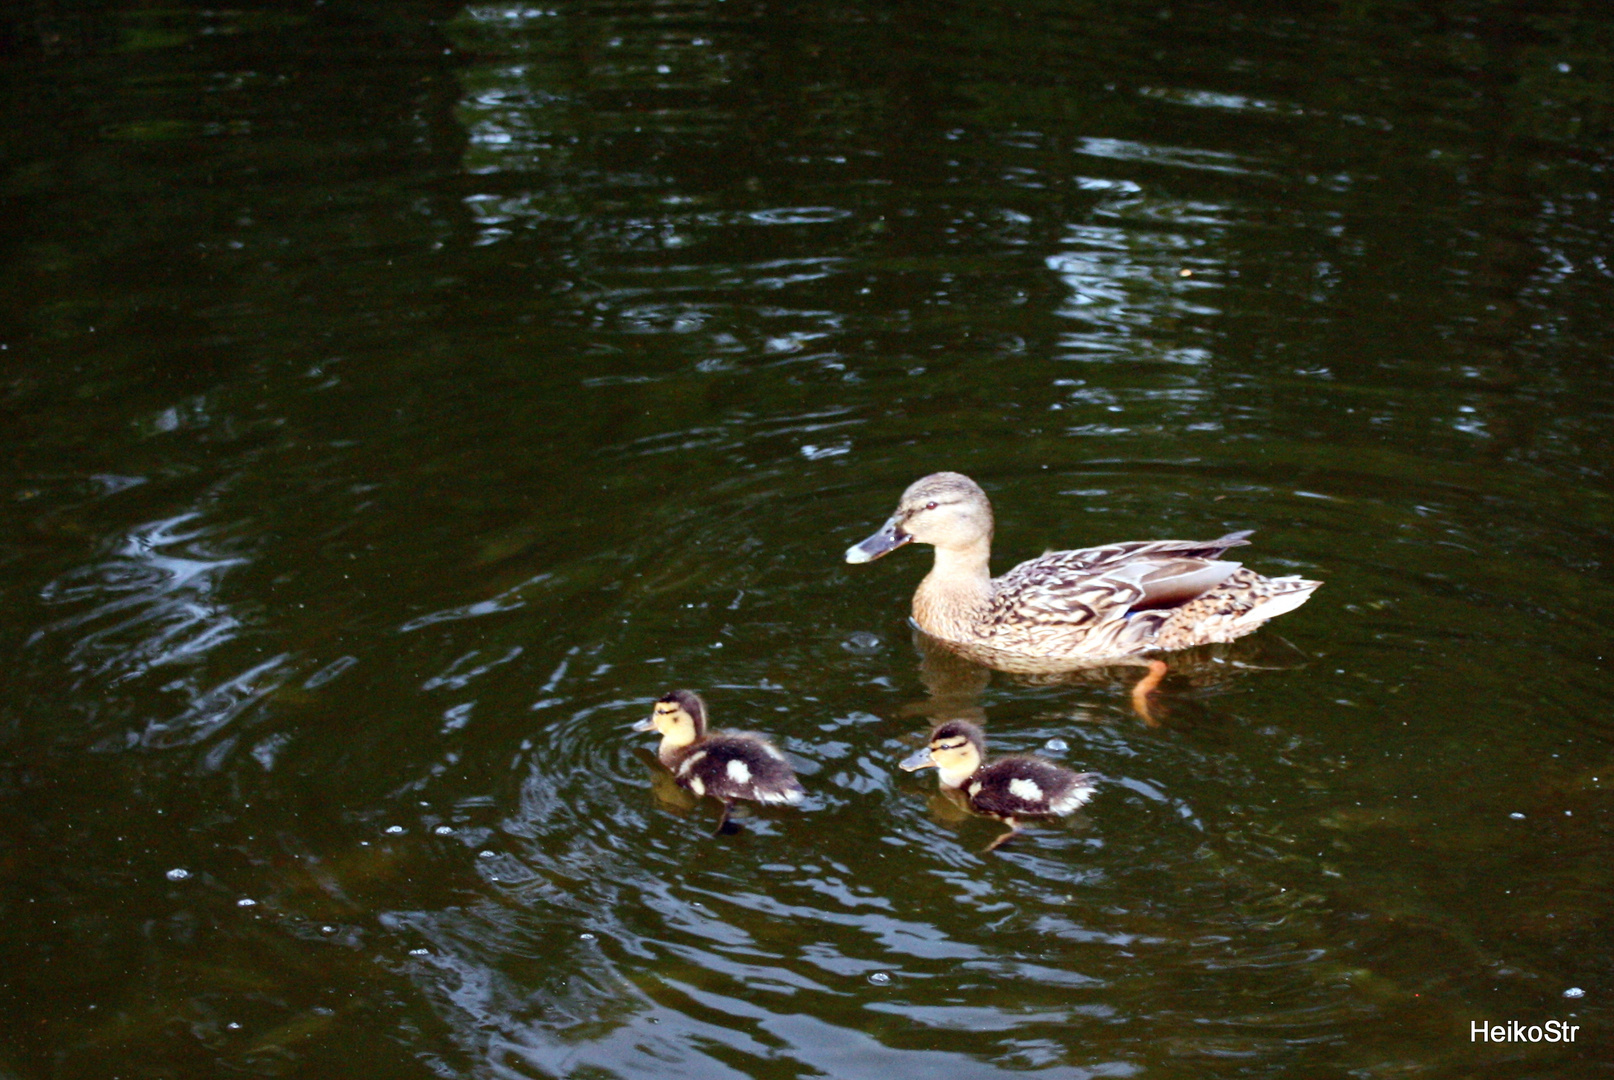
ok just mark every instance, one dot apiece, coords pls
pixel 664 786
pixel 1007 789
pixel 726 765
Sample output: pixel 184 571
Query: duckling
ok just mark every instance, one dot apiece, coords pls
pixel 1007 789
pixel 727 765
pixel 1081 606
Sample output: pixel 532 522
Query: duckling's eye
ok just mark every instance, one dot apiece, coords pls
pixel 930 506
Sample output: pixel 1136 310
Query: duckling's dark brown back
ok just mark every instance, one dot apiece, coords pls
pixel 1029 787
pixel 735 766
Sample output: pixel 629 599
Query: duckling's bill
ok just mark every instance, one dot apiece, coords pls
pixel 919 759
pixel 888 539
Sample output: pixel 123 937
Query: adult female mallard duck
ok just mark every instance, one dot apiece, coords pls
pixel 727 765
pixel 1095 604
pixel 1007 789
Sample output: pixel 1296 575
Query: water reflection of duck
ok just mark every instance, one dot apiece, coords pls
pixel 1099 603
pixel 955 674
pixel 1007 789
pixel 726 765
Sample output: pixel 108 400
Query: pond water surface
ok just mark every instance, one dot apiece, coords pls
pixel 397 397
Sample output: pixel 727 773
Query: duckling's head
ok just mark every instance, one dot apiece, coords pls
pixel 946 509
pixel 955 750
pixel 680 717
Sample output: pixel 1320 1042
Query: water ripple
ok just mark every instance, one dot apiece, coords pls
pixel 153 602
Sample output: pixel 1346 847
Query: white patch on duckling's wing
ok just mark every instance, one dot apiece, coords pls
pixel 1074 801
pixel 697 785
pixel 1077 796
pixel 780 797
pixel 1022 788
pixel 739 771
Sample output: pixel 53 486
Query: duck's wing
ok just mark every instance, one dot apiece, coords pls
pixel 1107 555
pixel 1244 602
pixel 1096 585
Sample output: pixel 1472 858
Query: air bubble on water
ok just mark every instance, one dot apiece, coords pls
pixel 586 936
pixel 420 952
pixel 444 830
pixel 1058 746
pixel 178 873
pixel 395 830
pixel 1574 992
pixel 1516 816
pixel 246 901
pixel 880 978
pixel 862 642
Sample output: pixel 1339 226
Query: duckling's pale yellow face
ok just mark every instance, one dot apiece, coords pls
pixel 947 510
pixel 674 722
pixel 954 756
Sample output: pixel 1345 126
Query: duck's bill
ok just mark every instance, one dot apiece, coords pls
pixel 888 539
pixel 918 760
pixel 647 724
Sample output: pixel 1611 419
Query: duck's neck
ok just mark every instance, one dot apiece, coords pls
pixel 957 778
pixel 674 747
pixel 955 592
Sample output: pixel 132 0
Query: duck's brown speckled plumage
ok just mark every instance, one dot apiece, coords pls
pixel 1092 604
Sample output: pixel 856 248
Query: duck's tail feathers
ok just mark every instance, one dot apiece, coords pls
pixel 1284 594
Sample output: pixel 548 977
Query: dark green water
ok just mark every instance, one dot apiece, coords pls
pixel 395 397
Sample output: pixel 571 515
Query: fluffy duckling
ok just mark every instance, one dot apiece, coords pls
pixel 727 765
pixel 1093 604
pixel 1008 789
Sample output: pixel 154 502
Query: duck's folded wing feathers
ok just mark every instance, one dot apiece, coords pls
pixel 1169 582
pixel 1097 558
pixel 1058 590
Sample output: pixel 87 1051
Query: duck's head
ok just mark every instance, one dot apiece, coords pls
pixel 680 717
pixel 946 509
pixel 955 750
